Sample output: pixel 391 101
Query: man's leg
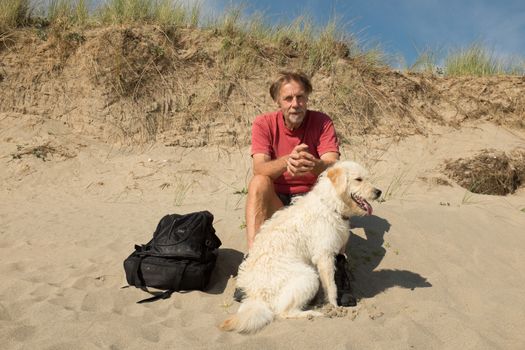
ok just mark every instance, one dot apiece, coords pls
pixel 343 280
pixel 261 203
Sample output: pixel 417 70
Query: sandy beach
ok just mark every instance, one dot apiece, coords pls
pixel 436 267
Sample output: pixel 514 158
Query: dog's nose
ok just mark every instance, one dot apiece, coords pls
pixel 377 192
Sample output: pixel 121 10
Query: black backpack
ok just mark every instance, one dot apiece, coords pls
pixel 181 256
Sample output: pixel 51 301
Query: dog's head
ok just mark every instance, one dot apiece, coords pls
pixel 351 185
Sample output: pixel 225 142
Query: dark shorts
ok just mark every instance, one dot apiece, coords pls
pixel 287 198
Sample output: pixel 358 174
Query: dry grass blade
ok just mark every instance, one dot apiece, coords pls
pixel 6 38
pixel 43 152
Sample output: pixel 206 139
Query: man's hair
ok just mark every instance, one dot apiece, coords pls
pixel 286 77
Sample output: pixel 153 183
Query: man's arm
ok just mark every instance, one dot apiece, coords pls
pixel 263 165
pixel 327 160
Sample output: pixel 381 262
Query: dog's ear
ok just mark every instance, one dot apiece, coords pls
pixel 338 178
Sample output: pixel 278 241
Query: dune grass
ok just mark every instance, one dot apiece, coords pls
pixel 254 39
pixel 67 13
pixel 473 60
pixel 13 13
pixel 161 12
pixel 246 39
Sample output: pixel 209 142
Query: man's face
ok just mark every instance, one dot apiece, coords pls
pixel 293 102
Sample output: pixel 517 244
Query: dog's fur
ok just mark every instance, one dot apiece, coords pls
pixel 295 248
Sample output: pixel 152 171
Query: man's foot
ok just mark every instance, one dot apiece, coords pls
pixel 345 296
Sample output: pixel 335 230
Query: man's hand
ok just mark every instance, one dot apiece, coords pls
pixel 300 161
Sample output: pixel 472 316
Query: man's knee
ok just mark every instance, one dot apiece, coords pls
pixel 260 185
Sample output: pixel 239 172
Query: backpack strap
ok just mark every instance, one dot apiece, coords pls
pixel 160 295
pixel 156 296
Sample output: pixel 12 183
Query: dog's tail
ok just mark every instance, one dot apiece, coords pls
pixel 251 317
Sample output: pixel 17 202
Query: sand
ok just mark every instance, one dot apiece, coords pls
pixel 436 267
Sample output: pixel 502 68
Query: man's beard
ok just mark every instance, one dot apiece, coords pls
pixel 296 118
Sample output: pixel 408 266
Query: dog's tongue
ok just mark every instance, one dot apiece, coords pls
pixel 368 207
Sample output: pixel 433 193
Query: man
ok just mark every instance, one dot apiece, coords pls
pixel 290 148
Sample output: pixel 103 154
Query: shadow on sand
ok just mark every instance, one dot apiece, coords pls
pixel 227 265
pixel 365 256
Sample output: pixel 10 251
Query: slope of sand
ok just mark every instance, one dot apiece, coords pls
pixel 436 266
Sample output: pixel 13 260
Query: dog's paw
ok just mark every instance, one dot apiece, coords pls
pixel 331 311
pixel 332 300
pixel 313 314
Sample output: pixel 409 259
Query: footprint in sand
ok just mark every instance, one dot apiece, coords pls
pixel 98 300
pixel 4 313
pixel 150 333
pixel 22 333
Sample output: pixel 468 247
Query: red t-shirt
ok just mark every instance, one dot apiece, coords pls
pixel 270 136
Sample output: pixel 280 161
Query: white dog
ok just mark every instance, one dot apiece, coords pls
pixel 295 248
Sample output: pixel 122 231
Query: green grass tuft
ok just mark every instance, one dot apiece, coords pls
pixel 475 60
pixel 13 13
pixel 161 12
pixel 65 13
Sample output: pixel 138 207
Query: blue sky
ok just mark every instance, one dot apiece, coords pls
pixel 406 27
